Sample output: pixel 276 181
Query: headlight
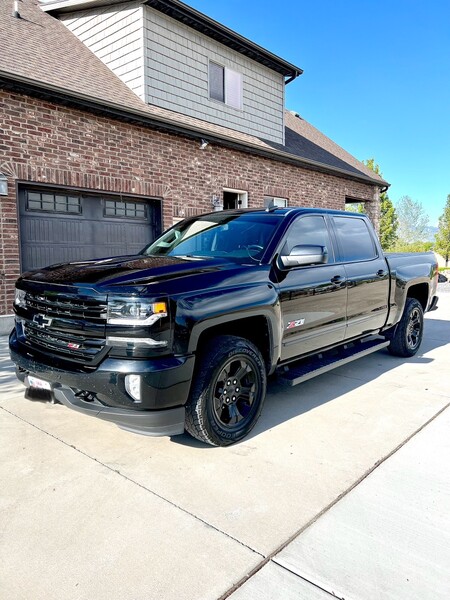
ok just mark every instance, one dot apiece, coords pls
pixel 19 299
pixel 134 311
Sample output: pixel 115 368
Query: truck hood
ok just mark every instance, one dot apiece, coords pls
pixel 125 270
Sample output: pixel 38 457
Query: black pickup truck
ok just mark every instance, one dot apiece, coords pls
pixel 184 335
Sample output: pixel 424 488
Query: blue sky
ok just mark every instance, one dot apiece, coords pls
pixel 376 79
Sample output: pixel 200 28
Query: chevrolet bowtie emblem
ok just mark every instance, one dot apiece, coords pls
pixel 42 321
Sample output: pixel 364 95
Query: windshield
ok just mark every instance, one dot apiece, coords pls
pixel 239 237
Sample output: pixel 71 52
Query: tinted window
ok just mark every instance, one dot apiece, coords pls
pixel 308 230
pixel 239 237
pixel 355 240
pixel 50 202
pixel 130 210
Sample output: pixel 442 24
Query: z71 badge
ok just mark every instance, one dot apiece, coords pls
pixel 296 323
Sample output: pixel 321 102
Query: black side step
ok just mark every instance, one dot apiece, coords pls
pixel 312 366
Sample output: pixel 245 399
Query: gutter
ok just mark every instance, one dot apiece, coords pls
pixel 56 94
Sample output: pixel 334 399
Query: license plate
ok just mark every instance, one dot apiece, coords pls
pixel 39 384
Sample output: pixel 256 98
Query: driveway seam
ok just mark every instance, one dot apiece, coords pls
pixel 317 586
pixel 271 557
pixel 117 472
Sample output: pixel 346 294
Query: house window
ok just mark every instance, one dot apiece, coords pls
pixel 234 199
pixel 275 201
pixel 49 202
pixel 225 85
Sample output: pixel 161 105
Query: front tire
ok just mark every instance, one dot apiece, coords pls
pixel 228 391
pixel 407 337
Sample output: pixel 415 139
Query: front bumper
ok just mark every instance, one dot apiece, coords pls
pixel 149 422
pixel 165 385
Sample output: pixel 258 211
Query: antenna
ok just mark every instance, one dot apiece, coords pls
pixel 16 12
pixel 271 206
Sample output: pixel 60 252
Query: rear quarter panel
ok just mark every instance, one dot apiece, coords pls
pixel 410 269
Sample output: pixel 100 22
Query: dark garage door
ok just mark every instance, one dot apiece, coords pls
pixel 61 226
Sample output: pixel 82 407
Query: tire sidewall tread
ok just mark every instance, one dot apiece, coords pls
pixel 399 345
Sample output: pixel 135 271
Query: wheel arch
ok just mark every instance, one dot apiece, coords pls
pixel 420 292
pixel 258 329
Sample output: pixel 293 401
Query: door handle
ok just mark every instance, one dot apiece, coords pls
pixel 381 273
pixel 337 279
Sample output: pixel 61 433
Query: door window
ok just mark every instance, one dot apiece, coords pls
pixel 308 230
pixel 354 238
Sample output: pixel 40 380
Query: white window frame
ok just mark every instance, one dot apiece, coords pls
pixel 242 197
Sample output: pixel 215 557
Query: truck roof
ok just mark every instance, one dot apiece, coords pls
pixel 289 210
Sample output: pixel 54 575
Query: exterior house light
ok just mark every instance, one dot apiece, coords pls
pixel 3 185
pixel 217 203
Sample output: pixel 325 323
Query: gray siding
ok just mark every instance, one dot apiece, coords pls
pixel 166 64
pixel 176 68
pixel 116 35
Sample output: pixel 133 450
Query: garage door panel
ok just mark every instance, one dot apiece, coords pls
pixel 38 256
pixel 49 230
pixel 57 227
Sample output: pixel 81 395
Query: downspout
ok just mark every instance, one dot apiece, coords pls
pixel 294 75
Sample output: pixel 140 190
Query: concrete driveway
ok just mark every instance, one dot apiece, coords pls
pixel 342 489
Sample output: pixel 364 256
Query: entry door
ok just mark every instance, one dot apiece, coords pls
pixel 61 226
pixel 313 299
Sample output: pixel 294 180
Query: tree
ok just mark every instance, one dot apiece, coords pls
pixel 388 223
pixel 355 207
pixel 402 246
pixel 388 215
pixel 412 221
pixel 442 243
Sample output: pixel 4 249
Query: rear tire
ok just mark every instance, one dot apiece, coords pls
pixel 407 336
pixel 228 391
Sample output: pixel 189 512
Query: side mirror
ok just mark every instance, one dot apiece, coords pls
pixel 305 255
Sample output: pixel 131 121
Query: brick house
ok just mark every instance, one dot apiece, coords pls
pixel 118 118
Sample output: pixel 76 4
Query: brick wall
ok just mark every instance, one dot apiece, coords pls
pixel 42 142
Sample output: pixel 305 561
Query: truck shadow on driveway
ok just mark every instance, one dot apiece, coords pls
pixel 284 402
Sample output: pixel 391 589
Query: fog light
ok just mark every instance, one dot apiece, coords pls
pixel 133 386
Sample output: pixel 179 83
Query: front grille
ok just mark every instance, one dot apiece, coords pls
pixel 59 305
pixel 65 325
pixel 76 346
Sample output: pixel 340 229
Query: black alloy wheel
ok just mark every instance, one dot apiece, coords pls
pixel 228 391
pixel 235 390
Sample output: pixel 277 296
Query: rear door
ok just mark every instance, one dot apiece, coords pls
pixel 366 272
pixel 313 298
